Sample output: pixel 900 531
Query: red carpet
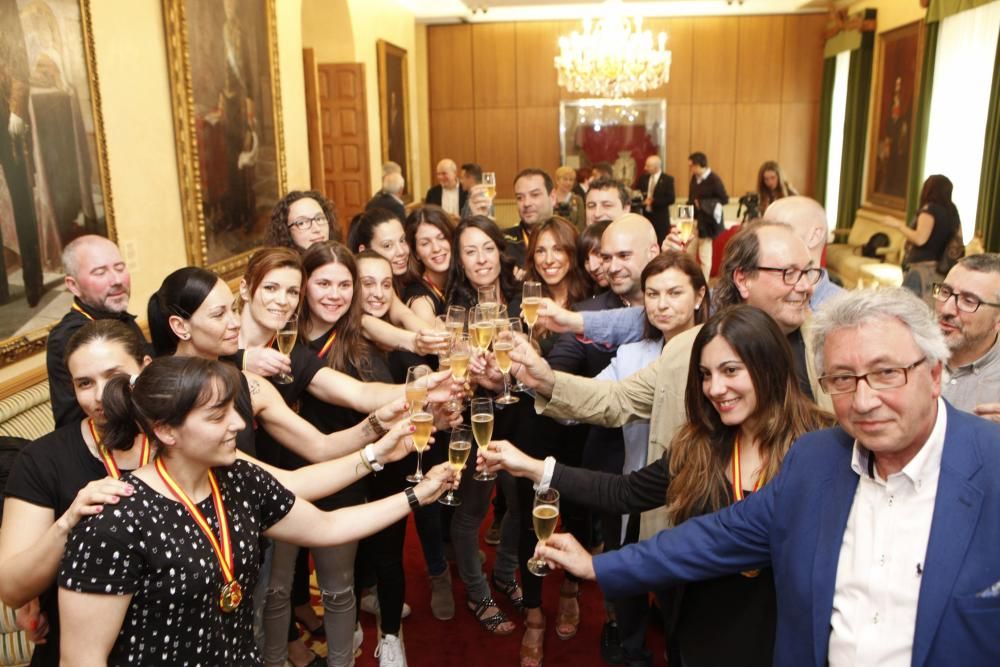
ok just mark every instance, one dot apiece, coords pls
pixel 433 643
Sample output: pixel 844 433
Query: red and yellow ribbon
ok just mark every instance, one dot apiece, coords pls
pixel 231 594
pixel 327 345
pixel 109 460
pixel 738 490
pixel 434 288
pixel 80 310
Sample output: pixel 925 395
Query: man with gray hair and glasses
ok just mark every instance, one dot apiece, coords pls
pixel 968 310
pixel 882 532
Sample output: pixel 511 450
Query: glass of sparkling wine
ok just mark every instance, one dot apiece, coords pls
pixel 416 387
pixel 544 517
pixel 489 298
pixel 458 454
pixel 423 422
pixel 455 321
pixel 685 222
pixel 502 346
pixel 490 181
pixel 285 337
pixel 482 430
pixel 458 362
pixel 482 327
pixel 531 299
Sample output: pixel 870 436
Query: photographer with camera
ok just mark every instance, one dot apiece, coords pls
pixel 708 195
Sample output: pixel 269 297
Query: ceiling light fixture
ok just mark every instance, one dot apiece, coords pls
pixel 614 57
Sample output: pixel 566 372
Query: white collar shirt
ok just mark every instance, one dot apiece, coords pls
pixel 449 200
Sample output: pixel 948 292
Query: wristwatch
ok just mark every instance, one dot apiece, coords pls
pixel 369 453
pixel 411 497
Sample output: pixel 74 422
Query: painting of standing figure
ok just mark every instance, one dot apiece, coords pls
pixel 53 179
pixel 228 124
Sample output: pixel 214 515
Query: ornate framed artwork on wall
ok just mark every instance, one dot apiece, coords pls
pixel 54 183
pixel 226 95
pixel 394 108
pixel 897 71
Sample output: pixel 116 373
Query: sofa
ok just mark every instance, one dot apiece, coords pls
pixel 24 414
pixel 844 260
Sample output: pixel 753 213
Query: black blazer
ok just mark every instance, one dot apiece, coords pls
pixel 663 197
pixel 707 193
pixel 433 196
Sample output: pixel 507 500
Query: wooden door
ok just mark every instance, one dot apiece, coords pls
pixel 344 137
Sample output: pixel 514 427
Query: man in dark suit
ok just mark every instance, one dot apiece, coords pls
pixel 100 281
pixel 448 193
pixel 389 196
pixel 882 532
pixel 708 195
pixel 657 190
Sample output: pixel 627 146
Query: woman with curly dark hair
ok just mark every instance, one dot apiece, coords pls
pixel 301 218
pixel 479 259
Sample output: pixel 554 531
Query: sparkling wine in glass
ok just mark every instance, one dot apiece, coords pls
pixel 544 517
pixel 459 448
pixel 490 181
pixel 503 344
pixel 685 222
pixel 482 326
pixel 458 361
pixel 454 321
pixel 489 298
pixel 285 337
pixel 423 423
pixel 416 387
pixel 531 299
pixel 482 430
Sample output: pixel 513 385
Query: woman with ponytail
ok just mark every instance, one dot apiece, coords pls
pixel 162 579
pixel 75 472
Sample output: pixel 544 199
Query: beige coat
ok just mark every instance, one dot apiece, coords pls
pixel 655 393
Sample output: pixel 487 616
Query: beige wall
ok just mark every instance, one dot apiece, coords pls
pixel 131 54
pixel 892 13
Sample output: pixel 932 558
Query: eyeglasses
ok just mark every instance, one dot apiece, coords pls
pixel 305 224
pixel 967 303
pixel 885 378
pixel 792 276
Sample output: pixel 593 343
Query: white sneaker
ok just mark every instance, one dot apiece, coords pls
pixel 369 604
pixel 359 638
pixel 390 652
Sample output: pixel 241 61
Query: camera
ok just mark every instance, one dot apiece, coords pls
pixel 749 207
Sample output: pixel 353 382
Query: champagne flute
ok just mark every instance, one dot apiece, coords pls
pixel 502 346
pixel 416 387
pixel 544 517
pixel 531 299
pixel 458 453
pixel 482 430
pixel 285 337
pixel 458 361
pixel 685 224
pixel 489 298
pixel 482 327
pixel 455 321
pixel 490 181
pixel 423 422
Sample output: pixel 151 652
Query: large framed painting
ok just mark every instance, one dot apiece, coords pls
pixel 227 123
pixel 54 182
pixel 394 107
pixel 622 132
pixel 897 85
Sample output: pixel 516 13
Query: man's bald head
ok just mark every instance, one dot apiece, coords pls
pixel 96 273
pixel 628 244
pixel 807 217
pixel 447 173
pixel 653 164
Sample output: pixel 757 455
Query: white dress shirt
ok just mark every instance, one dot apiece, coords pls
pixel 449 200
pixel 882 556
pixel 653 179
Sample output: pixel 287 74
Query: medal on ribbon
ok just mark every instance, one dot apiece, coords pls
pixel 327 345
pixel 231 593
pixel 738 491
pixel 109 461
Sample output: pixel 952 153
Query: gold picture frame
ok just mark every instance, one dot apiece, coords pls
pixel 394 108
pixel 74 78
pixel 218 55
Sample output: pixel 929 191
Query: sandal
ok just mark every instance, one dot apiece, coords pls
pixel 569 614
pixel 512 590
pixel 490 623
pixel 531 654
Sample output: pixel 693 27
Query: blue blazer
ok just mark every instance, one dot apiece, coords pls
pixel 796 524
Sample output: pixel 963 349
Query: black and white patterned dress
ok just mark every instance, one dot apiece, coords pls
pixel 149 546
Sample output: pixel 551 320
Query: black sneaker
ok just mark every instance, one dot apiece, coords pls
pixel 611 644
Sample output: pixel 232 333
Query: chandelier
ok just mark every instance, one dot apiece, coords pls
pixel 614 57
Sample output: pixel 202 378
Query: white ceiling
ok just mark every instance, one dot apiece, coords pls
pixel 489 11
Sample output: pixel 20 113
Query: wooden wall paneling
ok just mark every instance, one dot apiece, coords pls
pixel 716 42
pixel 452 136
pixel 799 127
pixel 313 131
pixel 538 138
pixel 713 132
pixel 757 132
pixel 680 36
pixel 678 146
pixel 537 46
pixel 493 83
pixel 761 46
pixel 449 67
pixel 496 146
pixel 803 58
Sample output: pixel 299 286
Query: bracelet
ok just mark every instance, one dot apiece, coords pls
pixel 364 460
pixel 411 497
pixel 376 425
pixel 368 453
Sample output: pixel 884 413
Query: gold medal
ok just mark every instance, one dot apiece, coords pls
pixel 231 596
pixel 750 574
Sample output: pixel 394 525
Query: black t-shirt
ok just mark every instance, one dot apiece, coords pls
pixel 150 547
pixel 305 365
pixel 945 225
pixel 419 288
pixel 49 473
